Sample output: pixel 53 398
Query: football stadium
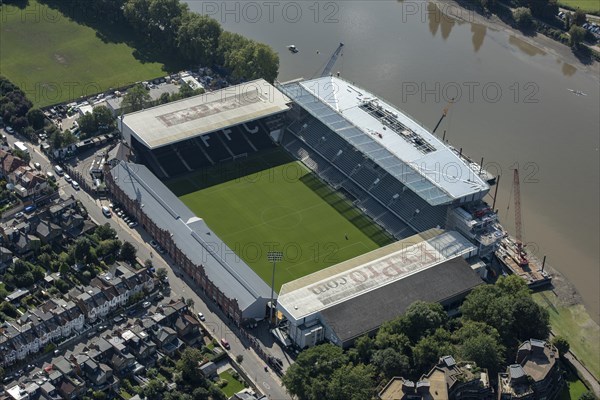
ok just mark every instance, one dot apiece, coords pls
pixel 320 170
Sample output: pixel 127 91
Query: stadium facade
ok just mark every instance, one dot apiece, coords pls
pixel 213 266
pixel 402 176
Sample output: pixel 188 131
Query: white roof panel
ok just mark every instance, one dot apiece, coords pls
pixel 180 120
pixel 390 138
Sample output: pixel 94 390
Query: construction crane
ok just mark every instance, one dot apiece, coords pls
pixel 521 256
pixel 444 113
pixel 332 60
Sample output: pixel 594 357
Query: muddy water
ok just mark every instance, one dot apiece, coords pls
pixel 512 103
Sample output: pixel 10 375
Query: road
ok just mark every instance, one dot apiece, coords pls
pixel 216 322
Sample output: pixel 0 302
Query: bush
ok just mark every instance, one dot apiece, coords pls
pixel 523 18
pixel 222 383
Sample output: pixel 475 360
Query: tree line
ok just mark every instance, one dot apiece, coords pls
pixel 494 320
pixel 168 26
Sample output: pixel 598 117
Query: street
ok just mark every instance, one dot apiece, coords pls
pixel 216 322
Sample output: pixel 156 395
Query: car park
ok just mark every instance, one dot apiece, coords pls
pixel 75 185
pixel 67 178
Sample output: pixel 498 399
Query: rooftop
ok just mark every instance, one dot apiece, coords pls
pixel 371 271
pixel 234 278
pixel 184 119
pixel 390 137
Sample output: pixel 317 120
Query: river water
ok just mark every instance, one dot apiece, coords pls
pixel 512 104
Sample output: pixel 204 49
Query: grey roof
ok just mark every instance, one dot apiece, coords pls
pixel 516 371
pixel 367 312
pixel 338 105
pixel 234 278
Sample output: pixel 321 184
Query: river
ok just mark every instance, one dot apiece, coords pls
pixel 512 103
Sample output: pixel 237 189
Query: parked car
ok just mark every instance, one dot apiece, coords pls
pixel 67 178
pixel 153 244
pixel 146 304
pixel 225 343
pixel 75 185
pixel 9 129
pixel 106 212
pixel 201 317
pixel 37 165
pixel 159 297
pixel 132 224
pixel 19 214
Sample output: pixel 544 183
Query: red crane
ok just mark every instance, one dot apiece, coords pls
pixel 522 256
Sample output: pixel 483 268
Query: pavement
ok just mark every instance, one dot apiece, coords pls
pixel 216 322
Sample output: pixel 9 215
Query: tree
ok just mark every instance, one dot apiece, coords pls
pixel 364 347
pixel 587 396
pixel 200 394
pixel 105 232
pixel 579 18
pixel 429 349
pixel 154 389
pixel 198 38
pixel 81 250
pixel 391 363
pixel 128 253
pixel 103 117
pixel 576 36
pixel 188 366
pixel 523 18
pixel 36 118
pixel 136 98
pixel 484 350
pixel 99 395
pixel 239 358
pixel 87 123
pixel 189 302
pixel 509 308
pixel 8 309
pixel 421 319
pixel 562 344
pixel 308 378
pixel 161 273
pixel 351 383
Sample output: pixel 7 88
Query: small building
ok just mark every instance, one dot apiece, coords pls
pixel 535 375
pixel 447 380
pixel 208 369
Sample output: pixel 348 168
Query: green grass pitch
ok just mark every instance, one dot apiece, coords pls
pixel 273 202
pixel 54 59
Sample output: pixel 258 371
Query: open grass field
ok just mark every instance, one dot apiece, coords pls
pixel 271 201
pixel 574 387
pixel 575 324
pixel 591 6
pixel 54 59
pixel 233 385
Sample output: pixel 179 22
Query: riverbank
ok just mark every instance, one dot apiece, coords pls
pixel 453 9
pixel 568 315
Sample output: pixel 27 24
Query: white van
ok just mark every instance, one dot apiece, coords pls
pixel 59 170
pixel 106 211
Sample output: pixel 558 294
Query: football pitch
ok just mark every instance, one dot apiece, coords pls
pixel 271 202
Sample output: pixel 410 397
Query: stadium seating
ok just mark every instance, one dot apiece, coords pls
pixel 169 161
pixel 319 148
